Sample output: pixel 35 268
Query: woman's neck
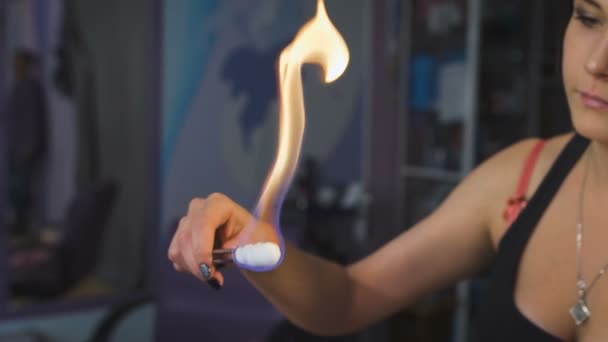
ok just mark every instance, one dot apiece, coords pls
pixel 598 164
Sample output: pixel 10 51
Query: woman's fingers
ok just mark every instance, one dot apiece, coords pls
pixel 217 281
pixel 205 219
pixel 175 252
pixel 191 249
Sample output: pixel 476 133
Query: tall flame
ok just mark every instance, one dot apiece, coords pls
pixel 317 42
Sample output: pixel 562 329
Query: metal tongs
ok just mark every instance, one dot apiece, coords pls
pixel 223 256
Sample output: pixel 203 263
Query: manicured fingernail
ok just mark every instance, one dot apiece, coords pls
pixel 214 284
pixel 205 271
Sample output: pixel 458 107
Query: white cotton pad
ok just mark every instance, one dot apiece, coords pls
pixel 261 254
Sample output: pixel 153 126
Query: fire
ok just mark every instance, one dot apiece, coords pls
pixel 317 42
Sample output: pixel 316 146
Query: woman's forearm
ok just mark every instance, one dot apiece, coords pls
pixel 313 293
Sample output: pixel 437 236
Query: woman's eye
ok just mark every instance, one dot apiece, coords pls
pixel 585 19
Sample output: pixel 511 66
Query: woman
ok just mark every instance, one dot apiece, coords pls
pixel 545 286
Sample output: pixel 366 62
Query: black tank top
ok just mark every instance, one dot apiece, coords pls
pixel 499 319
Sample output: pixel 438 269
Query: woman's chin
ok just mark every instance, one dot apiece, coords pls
pixel 593 126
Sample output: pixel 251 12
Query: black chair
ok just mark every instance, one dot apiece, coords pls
pixel 42 271
pixel 109 324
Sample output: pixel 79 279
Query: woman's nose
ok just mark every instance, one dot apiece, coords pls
pixel 597 63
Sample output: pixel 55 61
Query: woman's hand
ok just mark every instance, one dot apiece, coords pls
pixel 211 223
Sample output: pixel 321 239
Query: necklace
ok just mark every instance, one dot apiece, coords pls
pixel 580 312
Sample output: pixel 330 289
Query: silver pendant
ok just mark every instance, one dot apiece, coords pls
pixel 580 312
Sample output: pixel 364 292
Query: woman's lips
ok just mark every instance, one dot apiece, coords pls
pixel 594 102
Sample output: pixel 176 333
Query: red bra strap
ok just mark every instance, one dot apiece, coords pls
pixel 526 174
pixel 517 203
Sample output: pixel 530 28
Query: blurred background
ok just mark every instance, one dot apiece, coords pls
pixel 114 114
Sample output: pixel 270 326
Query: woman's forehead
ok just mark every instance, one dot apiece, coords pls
pixel 599 4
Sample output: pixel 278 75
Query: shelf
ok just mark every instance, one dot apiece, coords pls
pixel 429 173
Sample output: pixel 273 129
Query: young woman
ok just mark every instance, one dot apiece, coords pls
pixel 548 260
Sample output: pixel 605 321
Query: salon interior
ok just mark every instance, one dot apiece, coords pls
pixel 138 106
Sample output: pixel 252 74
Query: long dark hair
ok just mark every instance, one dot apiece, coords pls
pixel 564 16
pixel 568 13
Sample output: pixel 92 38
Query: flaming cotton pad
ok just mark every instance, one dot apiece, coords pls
pixel 261 254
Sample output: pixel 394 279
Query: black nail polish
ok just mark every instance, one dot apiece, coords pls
pixel 205 271
pixel 214 284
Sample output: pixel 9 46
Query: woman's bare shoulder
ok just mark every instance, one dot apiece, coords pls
pixel 507 167
pixel 503 168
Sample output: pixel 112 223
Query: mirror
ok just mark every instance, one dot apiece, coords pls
pixel 78 147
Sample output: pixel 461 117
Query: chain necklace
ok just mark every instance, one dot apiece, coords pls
pixel 580 312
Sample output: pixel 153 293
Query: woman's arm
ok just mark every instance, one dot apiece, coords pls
pixel 451 244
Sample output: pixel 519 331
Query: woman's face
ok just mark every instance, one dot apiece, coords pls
pixel 585 68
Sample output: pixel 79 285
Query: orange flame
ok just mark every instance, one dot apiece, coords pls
pixel 317 42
